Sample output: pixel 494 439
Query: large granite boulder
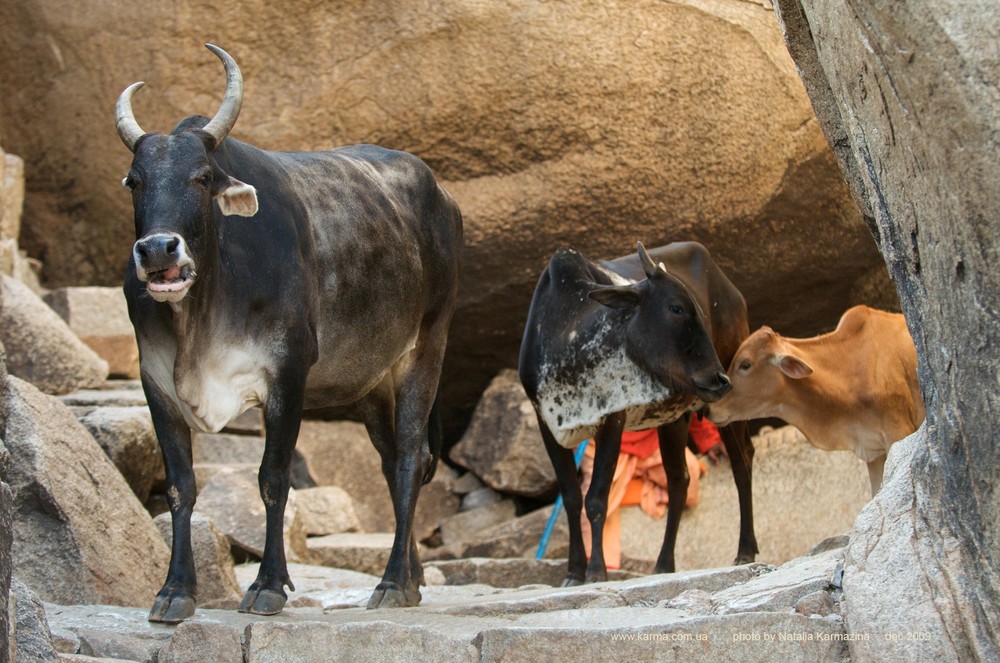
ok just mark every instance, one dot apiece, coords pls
pixel 907 96
pixel 41 348
pixel 326 510
pixel 126 435
pixel 231 499
pixel 339 453
pixel 503 445
pixel 594 124
pixel 80 534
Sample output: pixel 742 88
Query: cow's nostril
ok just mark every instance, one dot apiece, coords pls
pixel 723 380
pixel 172 245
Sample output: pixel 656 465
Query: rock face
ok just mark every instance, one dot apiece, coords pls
pixel 80 534
pixel 593 124
pixel 872 576
pixel 503 445
pixel 33 641
pixel 41 348
pixel 6 523
pixel 907 96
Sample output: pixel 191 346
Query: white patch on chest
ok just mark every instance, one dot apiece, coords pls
pixel 221 384
pixel 574 405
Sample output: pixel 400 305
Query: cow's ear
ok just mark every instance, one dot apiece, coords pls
pixel 616 296
pixel 793 367
pixel 236 198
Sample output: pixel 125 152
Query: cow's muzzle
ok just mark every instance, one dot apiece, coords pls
pixel 713 388
pixel 163 261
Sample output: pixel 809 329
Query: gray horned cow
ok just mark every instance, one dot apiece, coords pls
pixel 630 344
pixel 337 288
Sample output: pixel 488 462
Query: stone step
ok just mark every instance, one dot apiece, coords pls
pixel 646 618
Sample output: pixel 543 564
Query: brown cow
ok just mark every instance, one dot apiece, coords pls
pixel 854 388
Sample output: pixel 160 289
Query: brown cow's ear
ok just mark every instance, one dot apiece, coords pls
pixel 793 367
pixel 237 198
pixel 616 296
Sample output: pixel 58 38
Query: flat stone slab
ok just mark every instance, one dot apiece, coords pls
pixel 510 572
pixel 617 620
pixel 127 394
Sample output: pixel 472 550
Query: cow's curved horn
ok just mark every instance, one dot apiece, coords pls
pixel 648 266
pixel 128 129
pixel 220 125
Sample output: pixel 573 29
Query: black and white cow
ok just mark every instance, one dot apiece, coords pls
pixel 631 344
pixel 337 288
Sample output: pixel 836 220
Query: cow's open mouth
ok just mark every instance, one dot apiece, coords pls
pixel 171 279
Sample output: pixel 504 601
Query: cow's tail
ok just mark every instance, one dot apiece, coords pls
pixel 434 442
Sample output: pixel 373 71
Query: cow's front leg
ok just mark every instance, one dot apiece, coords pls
pixel 282 418
pixel 175 602
pixel 673 442
pixel 740 449
pixel 607 445
pixel 875 471
pixel 564 465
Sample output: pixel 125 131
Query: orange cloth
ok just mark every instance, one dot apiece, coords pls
pixel 641 443
pixel 641 481
pixel 704 433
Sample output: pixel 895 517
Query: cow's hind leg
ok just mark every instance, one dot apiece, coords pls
pixel 673 441
pixel 175 602
pixel 740 449
pixel 378 410
pixel 282 418
pixel 569 487
pixel 407 462
pixel 607 445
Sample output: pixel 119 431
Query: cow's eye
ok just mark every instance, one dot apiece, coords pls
pixel 745 365
pixel 676 310
pixel 129 182
pixel 205 180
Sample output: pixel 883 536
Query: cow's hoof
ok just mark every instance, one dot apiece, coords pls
pixel 571 582
pixel 389 595
pixel 744 559
pixel 263 602
pixel 171 609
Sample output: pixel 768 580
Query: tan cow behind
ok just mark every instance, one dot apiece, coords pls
pixel 854 388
